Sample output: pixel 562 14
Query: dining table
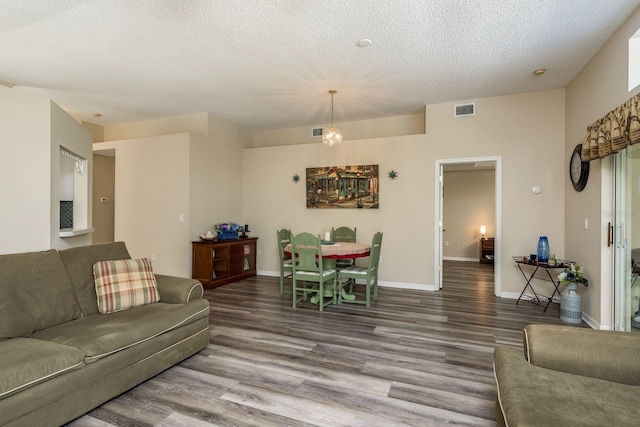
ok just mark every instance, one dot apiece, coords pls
pixel 339 250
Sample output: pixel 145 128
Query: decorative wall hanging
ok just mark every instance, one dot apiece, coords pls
pixel 351 187
pixel 296 178
pixel 393 174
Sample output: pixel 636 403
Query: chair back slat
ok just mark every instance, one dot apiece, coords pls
pixel 306 250
pixel 343 234
pixel 284 238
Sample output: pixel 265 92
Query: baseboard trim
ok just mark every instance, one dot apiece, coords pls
pixel 456 258
pixel 401 285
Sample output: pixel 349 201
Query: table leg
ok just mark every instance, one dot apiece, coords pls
pixel 528 280
pixel 556 285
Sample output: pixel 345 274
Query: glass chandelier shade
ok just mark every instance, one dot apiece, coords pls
pixel 331 135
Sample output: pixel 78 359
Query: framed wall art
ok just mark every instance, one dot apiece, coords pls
pixel 343 187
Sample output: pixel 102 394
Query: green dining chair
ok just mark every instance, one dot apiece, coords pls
pixel 309 276
pixel 344 234
pixel 286 269
pixel 350 275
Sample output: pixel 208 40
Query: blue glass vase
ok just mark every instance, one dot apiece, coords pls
pixel 543 249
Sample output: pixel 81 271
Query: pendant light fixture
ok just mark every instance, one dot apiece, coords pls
pixel 332 136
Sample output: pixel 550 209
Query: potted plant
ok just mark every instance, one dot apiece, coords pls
pixel 572 276
pixel 570 299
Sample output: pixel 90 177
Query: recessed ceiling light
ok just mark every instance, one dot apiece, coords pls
pixel 539 72
pixel 364 43
pixel 97 115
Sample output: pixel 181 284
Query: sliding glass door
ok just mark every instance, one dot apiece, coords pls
pixel 626 236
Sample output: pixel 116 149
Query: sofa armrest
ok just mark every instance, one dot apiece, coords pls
pixel 607 355
pixel 178 290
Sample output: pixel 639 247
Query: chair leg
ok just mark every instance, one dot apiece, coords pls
pixel 375 289
pixel 367 292
pixel 281 281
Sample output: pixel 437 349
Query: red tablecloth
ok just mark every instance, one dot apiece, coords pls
pixel 340 250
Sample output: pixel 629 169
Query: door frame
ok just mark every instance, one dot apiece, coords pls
pixel 438 182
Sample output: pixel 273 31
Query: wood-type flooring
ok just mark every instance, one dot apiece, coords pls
pixel 415 358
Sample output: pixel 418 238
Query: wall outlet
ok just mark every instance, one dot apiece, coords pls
pixel 464 244
pixel 181 218
pixel 259 252
pixel 446 243
pixel 153 257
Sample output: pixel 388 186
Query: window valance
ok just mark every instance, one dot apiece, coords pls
pixel 613 132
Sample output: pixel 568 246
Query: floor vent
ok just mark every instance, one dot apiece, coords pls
pixel 316 132
pixel 463 110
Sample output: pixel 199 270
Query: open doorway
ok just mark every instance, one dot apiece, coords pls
pixel 103 218
pixel 467 198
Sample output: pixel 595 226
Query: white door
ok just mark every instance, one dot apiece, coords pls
pixel 626 239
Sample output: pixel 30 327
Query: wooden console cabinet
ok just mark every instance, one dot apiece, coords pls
pixel 218 263
pixel 486 251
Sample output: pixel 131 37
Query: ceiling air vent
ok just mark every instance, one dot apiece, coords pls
pixel 316 132
pixel 463 110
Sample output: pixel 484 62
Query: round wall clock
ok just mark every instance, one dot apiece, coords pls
pixel 578 170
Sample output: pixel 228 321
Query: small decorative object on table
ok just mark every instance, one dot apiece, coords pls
pixel 543 249
pixel 227 230
pixel 207 236
pixel 570 299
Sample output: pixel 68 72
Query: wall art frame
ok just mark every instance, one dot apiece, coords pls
pixel 343 187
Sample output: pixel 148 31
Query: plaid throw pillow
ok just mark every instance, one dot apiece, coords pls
pixel 123 284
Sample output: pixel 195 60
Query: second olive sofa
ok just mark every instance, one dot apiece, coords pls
pixel 569 376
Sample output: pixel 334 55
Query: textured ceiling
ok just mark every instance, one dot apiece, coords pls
pixel 269 64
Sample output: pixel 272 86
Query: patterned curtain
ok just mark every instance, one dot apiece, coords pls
pixel 613 132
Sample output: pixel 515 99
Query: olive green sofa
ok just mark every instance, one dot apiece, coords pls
pixel 60 358
pixel 569 376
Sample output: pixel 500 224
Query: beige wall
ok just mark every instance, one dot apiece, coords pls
pixel 151 192
pixel 68 133
pixel 104 171
pixel 25 170
pixel 469 202
pixel 410 124
pixel 158 179
pixel 31 130
pixel 526 130
pixel 194 123
pixel 598 88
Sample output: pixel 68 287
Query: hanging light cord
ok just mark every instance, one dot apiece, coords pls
pixel 332 92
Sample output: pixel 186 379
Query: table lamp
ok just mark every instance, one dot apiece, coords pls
pixel 483 230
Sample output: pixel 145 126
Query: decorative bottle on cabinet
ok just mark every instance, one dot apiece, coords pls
pixel 543 249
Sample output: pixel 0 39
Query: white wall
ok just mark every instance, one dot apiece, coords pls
pixel 600 87
pixel 527 130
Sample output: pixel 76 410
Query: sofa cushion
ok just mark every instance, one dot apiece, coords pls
pixel 123 284
pixel 533 396
pixel 100 335
pixel 79 262
pixel 27 362
pixel 36 293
